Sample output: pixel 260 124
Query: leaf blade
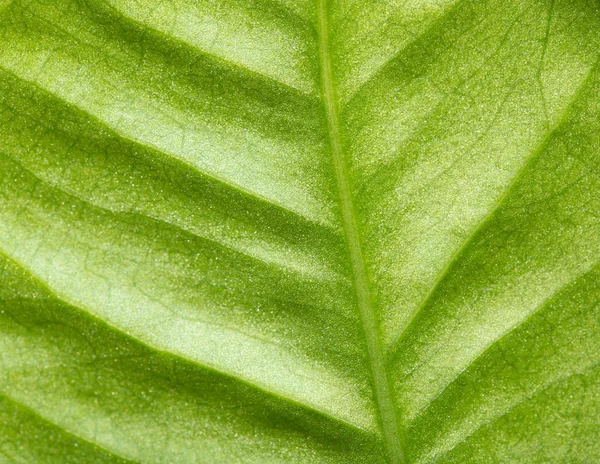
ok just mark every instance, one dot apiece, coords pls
pixel 214 258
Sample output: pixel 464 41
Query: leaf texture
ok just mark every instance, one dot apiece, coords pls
pixel 299 231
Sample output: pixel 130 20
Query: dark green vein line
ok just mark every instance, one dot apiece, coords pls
pixel 385 169
pixel 380 379
pixel 540 70
pixel 555 383
pixel 486 220
pixel 540 309
pixel 433 27
pixel 281 268
pixel 173 42
pixel 281 11
pixel 51 424
pixel 89 313
pixel 163 155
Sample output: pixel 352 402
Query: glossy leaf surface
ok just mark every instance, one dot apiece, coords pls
pixel 295 231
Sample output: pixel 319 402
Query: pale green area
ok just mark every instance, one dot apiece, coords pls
pixel 276 231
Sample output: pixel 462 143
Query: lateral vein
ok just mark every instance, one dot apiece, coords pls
pixel 380 379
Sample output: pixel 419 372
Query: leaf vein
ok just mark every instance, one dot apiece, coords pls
pixel 41 418
pixel 155 150
pixel 522 401
pixel 208 367
pixel 538 310
pixel 380 380
pixel 486 220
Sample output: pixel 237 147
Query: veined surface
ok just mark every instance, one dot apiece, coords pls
pixel 300 231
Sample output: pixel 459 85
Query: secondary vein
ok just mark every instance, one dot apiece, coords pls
pixel 380 379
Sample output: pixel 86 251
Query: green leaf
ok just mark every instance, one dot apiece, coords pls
pixel 295 231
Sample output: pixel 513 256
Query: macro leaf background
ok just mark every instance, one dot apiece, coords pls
pixel 280 231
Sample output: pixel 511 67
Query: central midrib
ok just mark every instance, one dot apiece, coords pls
pixel 380 380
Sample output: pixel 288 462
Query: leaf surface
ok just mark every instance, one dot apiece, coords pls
pixel 299 231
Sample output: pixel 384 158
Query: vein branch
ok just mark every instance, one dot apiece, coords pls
pixel 380 380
